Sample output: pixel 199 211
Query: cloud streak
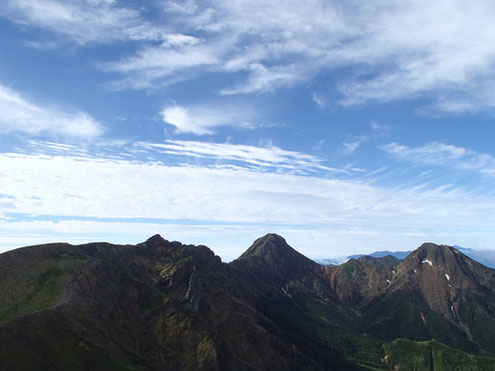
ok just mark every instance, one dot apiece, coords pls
pixel 203 119
pixel 258 158
pixel 397 50
pixel 71 187
pixel 21 115
pixel 82 21
pixel 446 155
pixel 441 50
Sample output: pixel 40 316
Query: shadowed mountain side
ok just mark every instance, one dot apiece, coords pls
pixel 273 265
pixel 438 293
pixel 168 306
pixel 156 305
pixel 359 281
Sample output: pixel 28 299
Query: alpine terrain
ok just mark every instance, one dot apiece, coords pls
pixel 162 305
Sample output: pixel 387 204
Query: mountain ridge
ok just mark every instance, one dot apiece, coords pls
pixel 162 304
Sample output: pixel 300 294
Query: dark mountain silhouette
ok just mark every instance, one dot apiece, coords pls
pixel 165 305
pixel 271 264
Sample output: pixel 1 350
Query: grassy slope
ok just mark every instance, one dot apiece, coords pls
pixel 335 337
pixel 399 316
pixel 329 334
pixel 476 315
pixel 34 279
pixel 432 355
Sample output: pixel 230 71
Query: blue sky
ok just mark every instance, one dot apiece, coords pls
pixel 345 126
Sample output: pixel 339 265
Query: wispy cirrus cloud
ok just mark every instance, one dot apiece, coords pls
pixel 157 66
pixel 446 155
pixel 81 192
pixel 351 147
pixel 22 115
pixel 82 21
pixel 396 50
pixel 390 50
pixel 206 118
pixel 267 158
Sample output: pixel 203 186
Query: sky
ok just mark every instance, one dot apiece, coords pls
pixel 344 126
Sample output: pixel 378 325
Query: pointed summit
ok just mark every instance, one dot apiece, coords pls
pixel 274 251
pixel 274 265
pixel 155 240
pixel 269 245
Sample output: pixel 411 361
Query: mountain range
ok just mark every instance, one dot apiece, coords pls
pixel 162 305
pixel 485 257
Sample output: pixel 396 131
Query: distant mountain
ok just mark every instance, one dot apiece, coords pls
pixel 401 255
pixel 485 257
pixel 168 306
pixel 330 261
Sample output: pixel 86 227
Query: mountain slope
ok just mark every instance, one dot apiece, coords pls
pixel 438 293
pixel 273 265
pixel 359 281
pixel 154 305
pixel 165 305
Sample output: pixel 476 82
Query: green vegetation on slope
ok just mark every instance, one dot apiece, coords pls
pixel 474 313
pixel 406 315
pixel 28 286
pixel 432 355
pixel 331 335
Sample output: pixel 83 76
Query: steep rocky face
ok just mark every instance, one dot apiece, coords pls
pixel 156 305
pixel 359 281
pixel 274 265
pixel 444 276
pixel 440 291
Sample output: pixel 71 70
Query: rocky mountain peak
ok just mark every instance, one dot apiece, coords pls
pixel 155 240
pixel 432 255
pixel 271 262
pixel 269 245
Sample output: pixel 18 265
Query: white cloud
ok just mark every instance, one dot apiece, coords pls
pixel 256 157
pixel 440 50
pixel 397 50
pixel 351 147
pixel 82 21
pixel 263 79
pixel 379 128
pixel 229 240
pixel 203 119
pixel 441 154
pixel 163 65
pixel 319 100
pixel 339 211
pixel 19 114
